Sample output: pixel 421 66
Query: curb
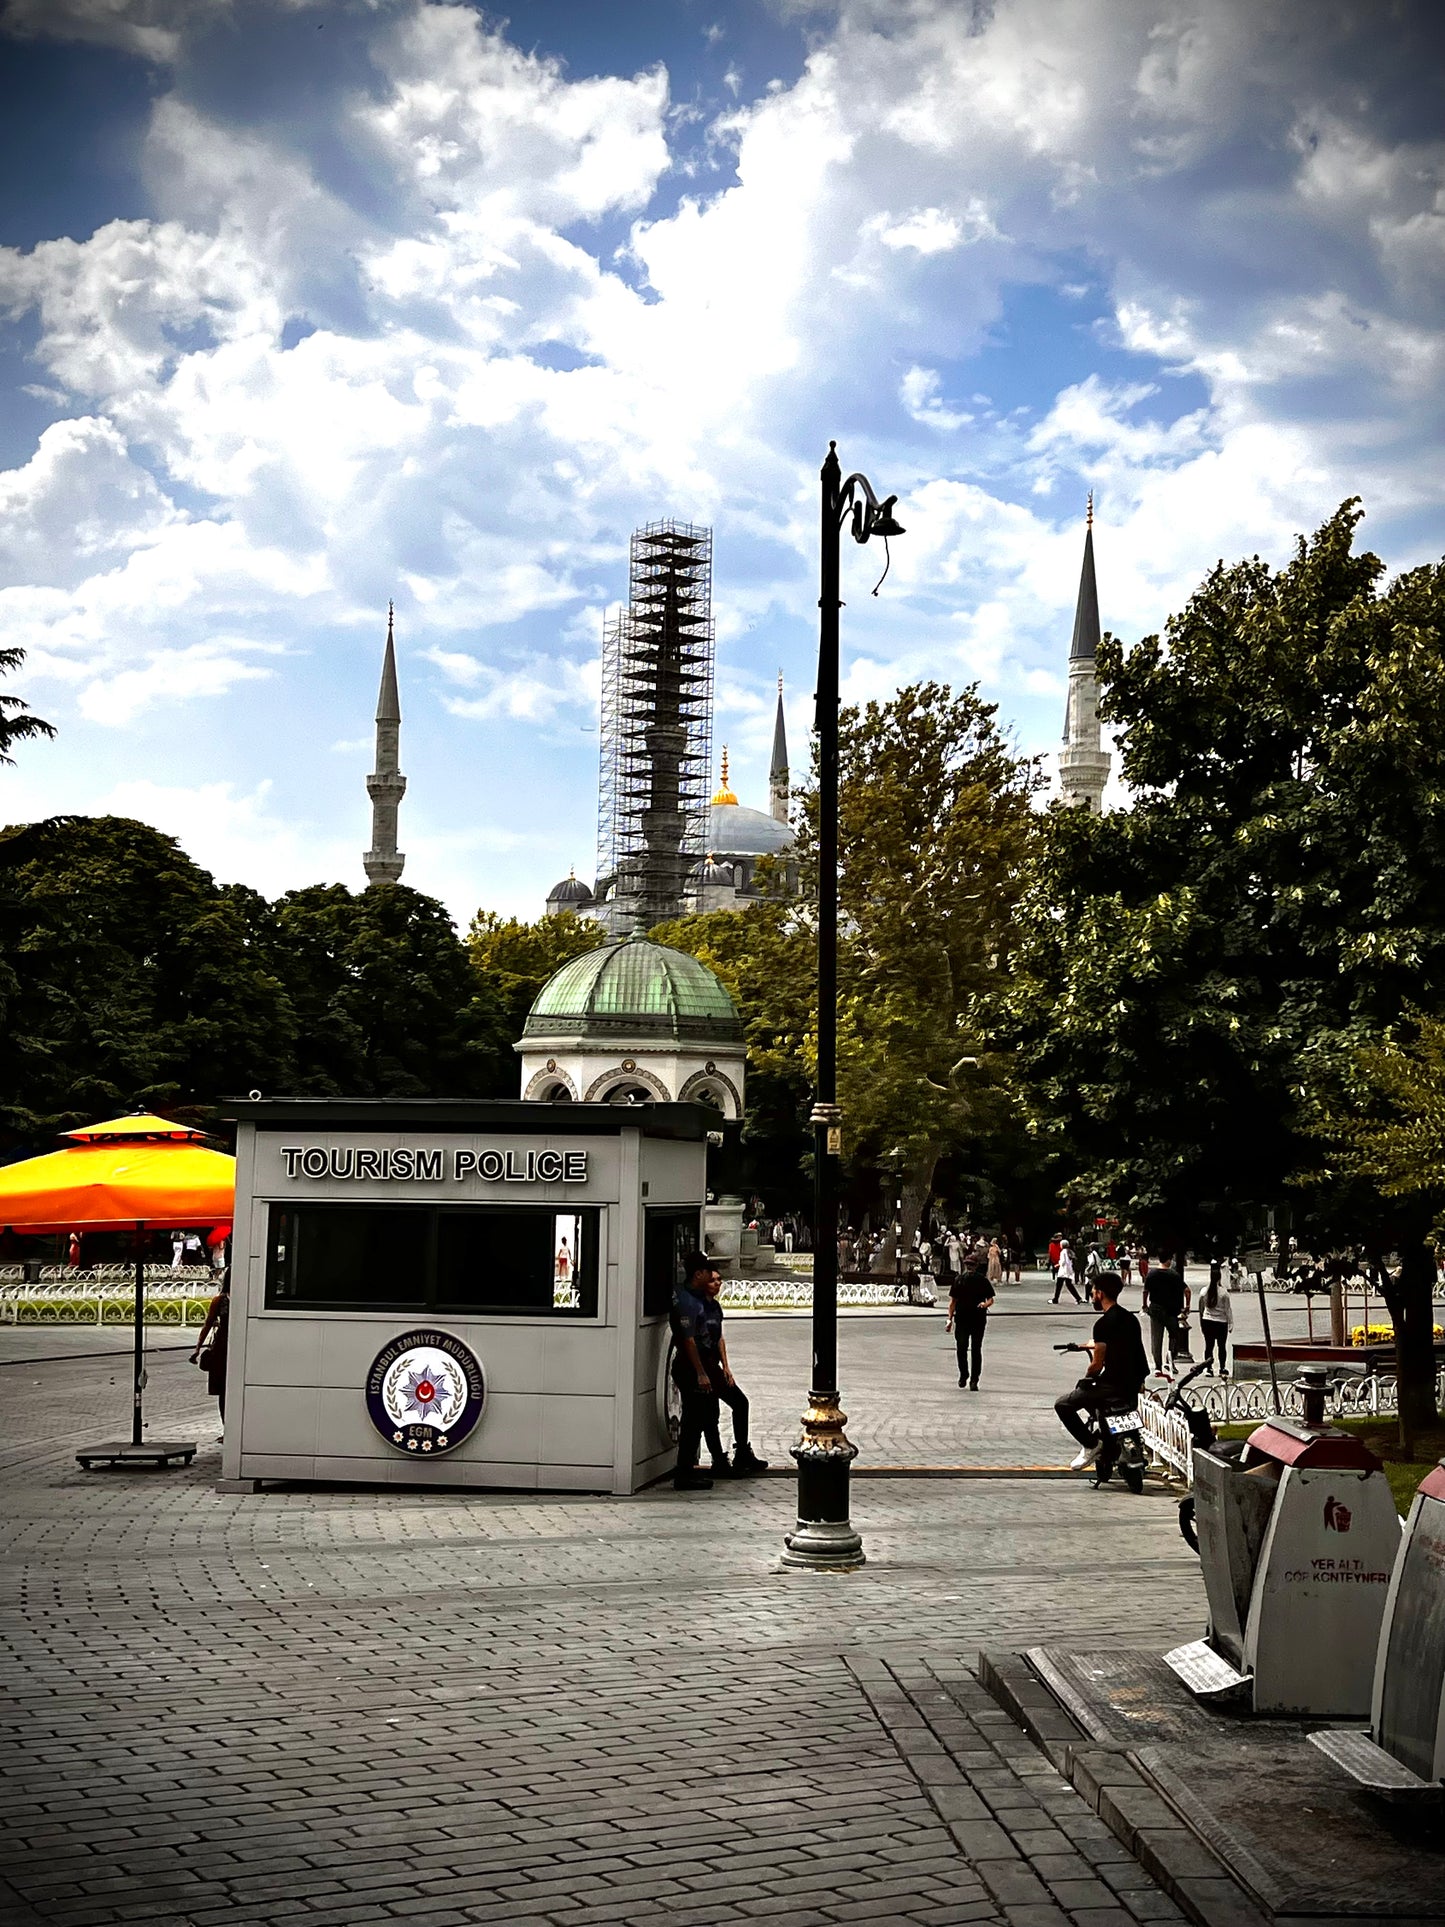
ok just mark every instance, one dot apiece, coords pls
pixel 1132 1804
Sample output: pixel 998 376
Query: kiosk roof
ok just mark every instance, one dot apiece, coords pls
pixel 502 1115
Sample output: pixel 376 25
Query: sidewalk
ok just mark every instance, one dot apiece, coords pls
pixel 336 1707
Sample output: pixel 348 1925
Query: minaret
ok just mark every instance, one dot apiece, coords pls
pixel 386 785
pixel 778 768
pixel 1083 763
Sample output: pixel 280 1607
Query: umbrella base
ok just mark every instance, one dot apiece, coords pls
pixel 153 1452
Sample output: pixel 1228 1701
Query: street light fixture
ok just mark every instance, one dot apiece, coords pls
pixel 824 1539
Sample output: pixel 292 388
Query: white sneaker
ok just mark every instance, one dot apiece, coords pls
pixel 1085 1455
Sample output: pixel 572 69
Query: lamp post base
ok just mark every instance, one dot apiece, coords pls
pixel 823 1539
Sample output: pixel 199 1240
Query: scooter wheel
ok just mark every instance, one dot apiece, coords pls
pixel 1133 1477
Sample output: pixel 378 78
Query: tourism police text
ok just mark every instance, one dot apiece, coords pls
pixel 408 1163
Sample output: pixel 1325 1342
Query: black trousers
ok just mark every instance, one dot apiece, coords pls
pixel 968 1338
pixel 1215 1333
pixel 1062 1284
pixel 736 1400
pixel 1089 1397
pixel 699 1415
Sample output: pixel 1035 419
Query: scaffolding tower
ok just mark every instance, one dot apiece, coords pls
pixel 656 751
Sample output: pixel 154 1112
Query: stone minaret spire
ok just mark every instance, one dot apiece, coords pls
pixel 1083 762
pixel 386 785
pixel 778 795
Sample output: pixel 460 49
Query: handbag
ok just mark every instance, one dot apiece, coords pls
pixel 203 1358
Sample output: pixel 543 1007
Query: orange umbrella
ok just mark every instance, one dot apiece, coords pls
pixel 139 1170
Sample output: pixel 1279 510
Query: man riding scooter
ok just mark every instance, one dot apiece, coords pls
pixel 1118 1366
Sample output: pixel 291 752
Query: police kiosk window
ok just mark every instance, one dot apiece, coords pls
pixel 500 1260
pixel 669 1237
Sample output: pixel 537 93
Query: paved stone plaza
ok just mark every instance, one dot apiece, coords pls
pixel 348 1706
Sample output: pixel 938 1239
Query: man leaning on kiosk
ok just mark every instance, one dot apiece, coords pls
pixel 690 1319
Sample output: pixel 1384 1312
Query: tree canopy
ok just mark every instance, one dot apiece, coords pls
pixel 129 977
pixel 1197 975
pixel 935 819
pixel 18 723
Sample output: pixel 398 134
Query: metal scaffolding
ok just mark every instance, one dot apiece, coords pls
pixel 656 752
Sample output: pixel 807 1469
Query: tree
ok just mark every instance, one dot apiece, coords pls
pixel 17 723
pixel 386 1000
pixel 935 816
pixel 515 958
pixel 935 822
pixel 1196 974
pixel 765 955
pixel 126 978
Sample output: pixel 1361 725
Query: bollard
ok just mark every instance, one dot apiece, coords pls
pixel 1314 1388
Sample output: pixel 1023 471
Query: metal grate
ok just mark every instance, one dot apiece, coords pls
pixel 656 749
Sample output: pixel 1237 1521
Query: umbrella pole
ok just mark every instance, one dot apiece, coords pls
pixel 140 1309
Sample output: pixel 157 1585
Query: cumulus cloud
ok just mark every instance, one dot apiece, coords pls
pixel 285 396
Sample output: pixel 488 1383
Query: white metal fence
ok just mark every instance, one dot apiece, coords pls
pixel 1242 1402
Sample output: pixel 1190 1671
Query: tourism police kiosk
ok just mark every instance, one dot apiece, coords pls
pixel 447 1292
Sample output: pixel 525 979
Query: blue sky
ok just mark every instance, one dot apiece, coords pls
pixel 305 306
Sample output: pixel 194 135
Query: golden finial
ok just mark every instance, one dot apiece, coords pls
pixel 724 794
pixel 1089 517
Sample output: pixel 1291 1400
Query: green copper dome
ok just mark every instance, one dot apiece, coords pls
pixel 635 989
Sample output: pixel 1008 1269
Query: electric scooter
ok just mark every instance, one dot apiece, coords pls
pixel 1123 1424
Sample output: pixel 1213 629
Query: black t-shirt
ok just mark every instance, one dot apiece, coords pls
pixel 1166 1293
pixel 970 1291
pixel 1126 1365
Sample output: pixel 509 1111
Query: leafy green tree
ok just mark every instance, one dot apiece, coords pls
pixel 765 954
pixel 1196 975
pixel 17 723
pixel 515 958
pixel 935 819
pixel 1396 1137
pixel 126 978
pixel 386 999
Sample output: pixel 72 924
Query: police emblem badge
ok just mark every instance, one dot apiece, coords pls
pixel 425 1392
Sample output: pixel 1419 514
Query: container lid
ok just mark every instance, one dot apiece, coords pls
pixel 1290 1444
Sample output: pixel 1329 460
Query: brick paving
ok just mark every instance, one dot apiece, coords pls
pixel 346 1706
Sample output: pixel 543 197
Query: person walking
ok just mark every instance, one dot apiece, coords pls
pixel 212 1344
pixel 713 1350
pixel 1166 1299
pixel 969 1302
pixel 689 1319
pixel 1056 1245
pixel 1216 1319
pixel 995 1263
pixel 1064 1272
pixel 178 1249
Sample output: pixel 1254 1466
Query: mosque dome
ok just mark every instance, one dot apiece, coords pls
pixel 734 830
pixel 710 870
pixel 571 893
pixel 635 989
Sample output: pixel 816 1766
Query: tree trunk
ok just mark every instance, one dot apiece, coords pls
pixel 1409 1295
pixel 915 1191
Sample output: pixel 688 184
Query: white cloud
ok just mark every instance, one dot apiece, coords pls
pixel 180 675
pixel 154 29
pixel 481 396
pixel 919 390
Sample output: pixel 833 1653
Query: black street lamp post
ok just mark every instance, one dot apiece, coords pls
pixel 823 1538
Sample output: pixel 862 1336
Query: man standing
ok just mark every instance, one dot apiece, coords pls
pixel 968 1308
pixel 1112 1382
pixel 1166 1299
pixel 713 1350
pixel 690 1319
